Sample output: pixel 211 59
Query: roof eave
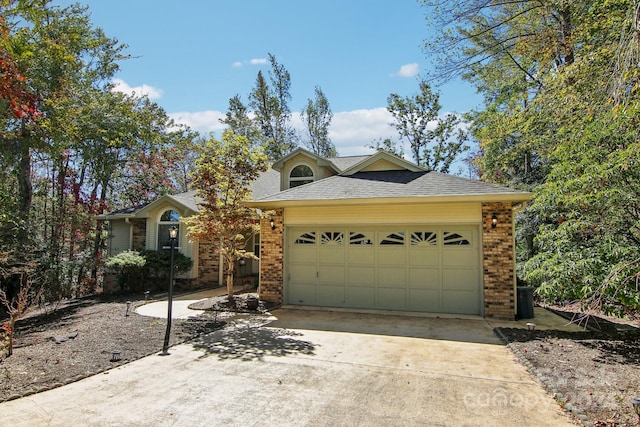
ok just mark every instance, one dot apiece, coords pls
pixel 462 198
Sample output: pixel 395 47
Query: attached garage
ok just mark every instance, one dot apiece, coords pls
pixel 378 232
pixel 425 268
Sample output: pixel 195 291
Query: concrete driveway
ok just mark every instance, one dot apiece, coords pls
pixel 307 368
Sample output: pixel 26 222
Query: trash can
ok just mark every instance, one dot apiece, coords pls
pixel 525 302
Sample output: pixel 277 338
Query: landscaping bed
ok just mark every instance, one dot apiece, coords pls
pixel 593 373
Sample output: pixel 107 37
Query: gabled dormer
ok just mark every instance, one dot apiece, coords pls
pixel 382 161
pixel 302 167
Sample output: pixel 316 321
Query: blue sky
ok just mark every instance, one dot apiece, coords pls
pixel 191 57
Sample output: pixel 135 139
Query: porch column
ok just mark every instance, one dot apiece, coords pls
pixel 498 261
pixel 271 257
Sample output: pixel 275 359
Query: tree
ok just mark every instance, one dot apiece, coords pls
pixel 317 118
pixel 237 119
pixel 270 106
pixel 560 84
pixel 434 141
pixel 223 178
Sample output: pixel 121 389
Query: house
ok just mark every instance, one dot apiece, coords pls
pixel 362 232
pixel 379 232
pixel 147 227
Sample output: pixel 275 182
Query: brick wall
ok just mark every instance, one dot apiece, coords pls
pixel 208 263
pixel 498 261
pixel 271 258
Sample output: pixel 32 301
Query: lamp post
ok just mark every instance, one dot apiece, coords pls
pixel 173 234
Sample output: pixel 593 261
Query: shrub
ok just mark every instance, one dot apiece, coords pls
pixel 129 266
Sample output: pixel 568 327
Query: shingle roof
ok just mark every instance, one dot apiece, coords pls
pixel 390 184
pixel 344 163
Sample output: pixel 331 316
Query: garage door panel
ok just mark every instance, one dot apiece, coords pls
pixel 461 258
pixel 424 300
pixel 391 299
pixel 361 296
pixel 460 302
pixel 330 295
pixel 331 274
pixel 460 280
pixel 424 257
pixel 302 254
pixel 303 274
pixel 331 255
pixel 361 276
pixel 389 256
pixel 424 278
pixel 303 294
pixel 392 277
pixel 361 256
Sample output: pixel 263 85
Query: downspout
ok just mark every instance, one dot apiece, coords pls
pixel 514 210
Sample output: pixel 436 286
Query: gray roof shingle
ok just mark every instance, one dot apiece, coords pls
pixel 389 184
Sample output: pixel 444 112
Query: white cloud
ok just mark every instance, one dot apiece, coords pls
pixel 252 61
pixel 120 85
pixel 408 70
pixel 352 131
pixel 203 122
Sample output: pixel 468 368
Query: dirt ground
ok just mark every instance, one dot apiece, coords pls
pixel 594 374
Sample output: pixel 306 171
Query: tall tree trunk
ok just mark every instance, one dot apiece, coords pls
pixel 25 189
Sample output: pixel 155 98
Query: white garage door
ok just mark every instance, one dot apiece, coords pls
pixel 419 268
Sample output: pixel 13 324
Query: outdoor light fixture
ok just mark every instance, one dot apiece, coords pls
pixel 126 314
pixel 115 355
pixel 272 223
pixel 173 235
pixel 636 406
pixel 494 221
pixel 531 327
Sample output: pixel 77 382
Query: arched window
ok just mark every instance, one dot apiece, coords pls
pixel 300 175
pixel 168 219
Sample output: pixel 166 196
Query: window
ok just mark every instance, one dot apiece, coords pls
pixel 300 175
pixel 356 238
pixel 306 239
pixel 393 239
pixel 451 238
pixel 424 238
pixel 168 219
pixel 331 238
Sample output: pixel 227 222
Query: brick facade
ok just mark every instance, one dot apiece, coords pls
pixel 498 262
pixel 271 258
pixel 208 264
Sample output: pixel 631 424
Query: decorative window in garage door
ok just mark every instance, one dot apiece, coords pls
pixel 308 238
pixel 424 238
pixel 452 238
pixel 356 238
pixel 393 239
pixel 331 238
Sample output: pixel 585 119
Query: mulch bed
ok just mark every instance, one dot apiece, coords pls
pixel 77 339
pixel 593 374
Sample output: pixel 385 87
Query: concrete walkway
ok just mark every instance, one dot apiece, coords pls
pixel 180 307
pixel 310 368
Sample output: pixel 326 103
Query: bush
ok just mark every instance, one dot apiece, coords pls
pixel 157 265
pixel 129 266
